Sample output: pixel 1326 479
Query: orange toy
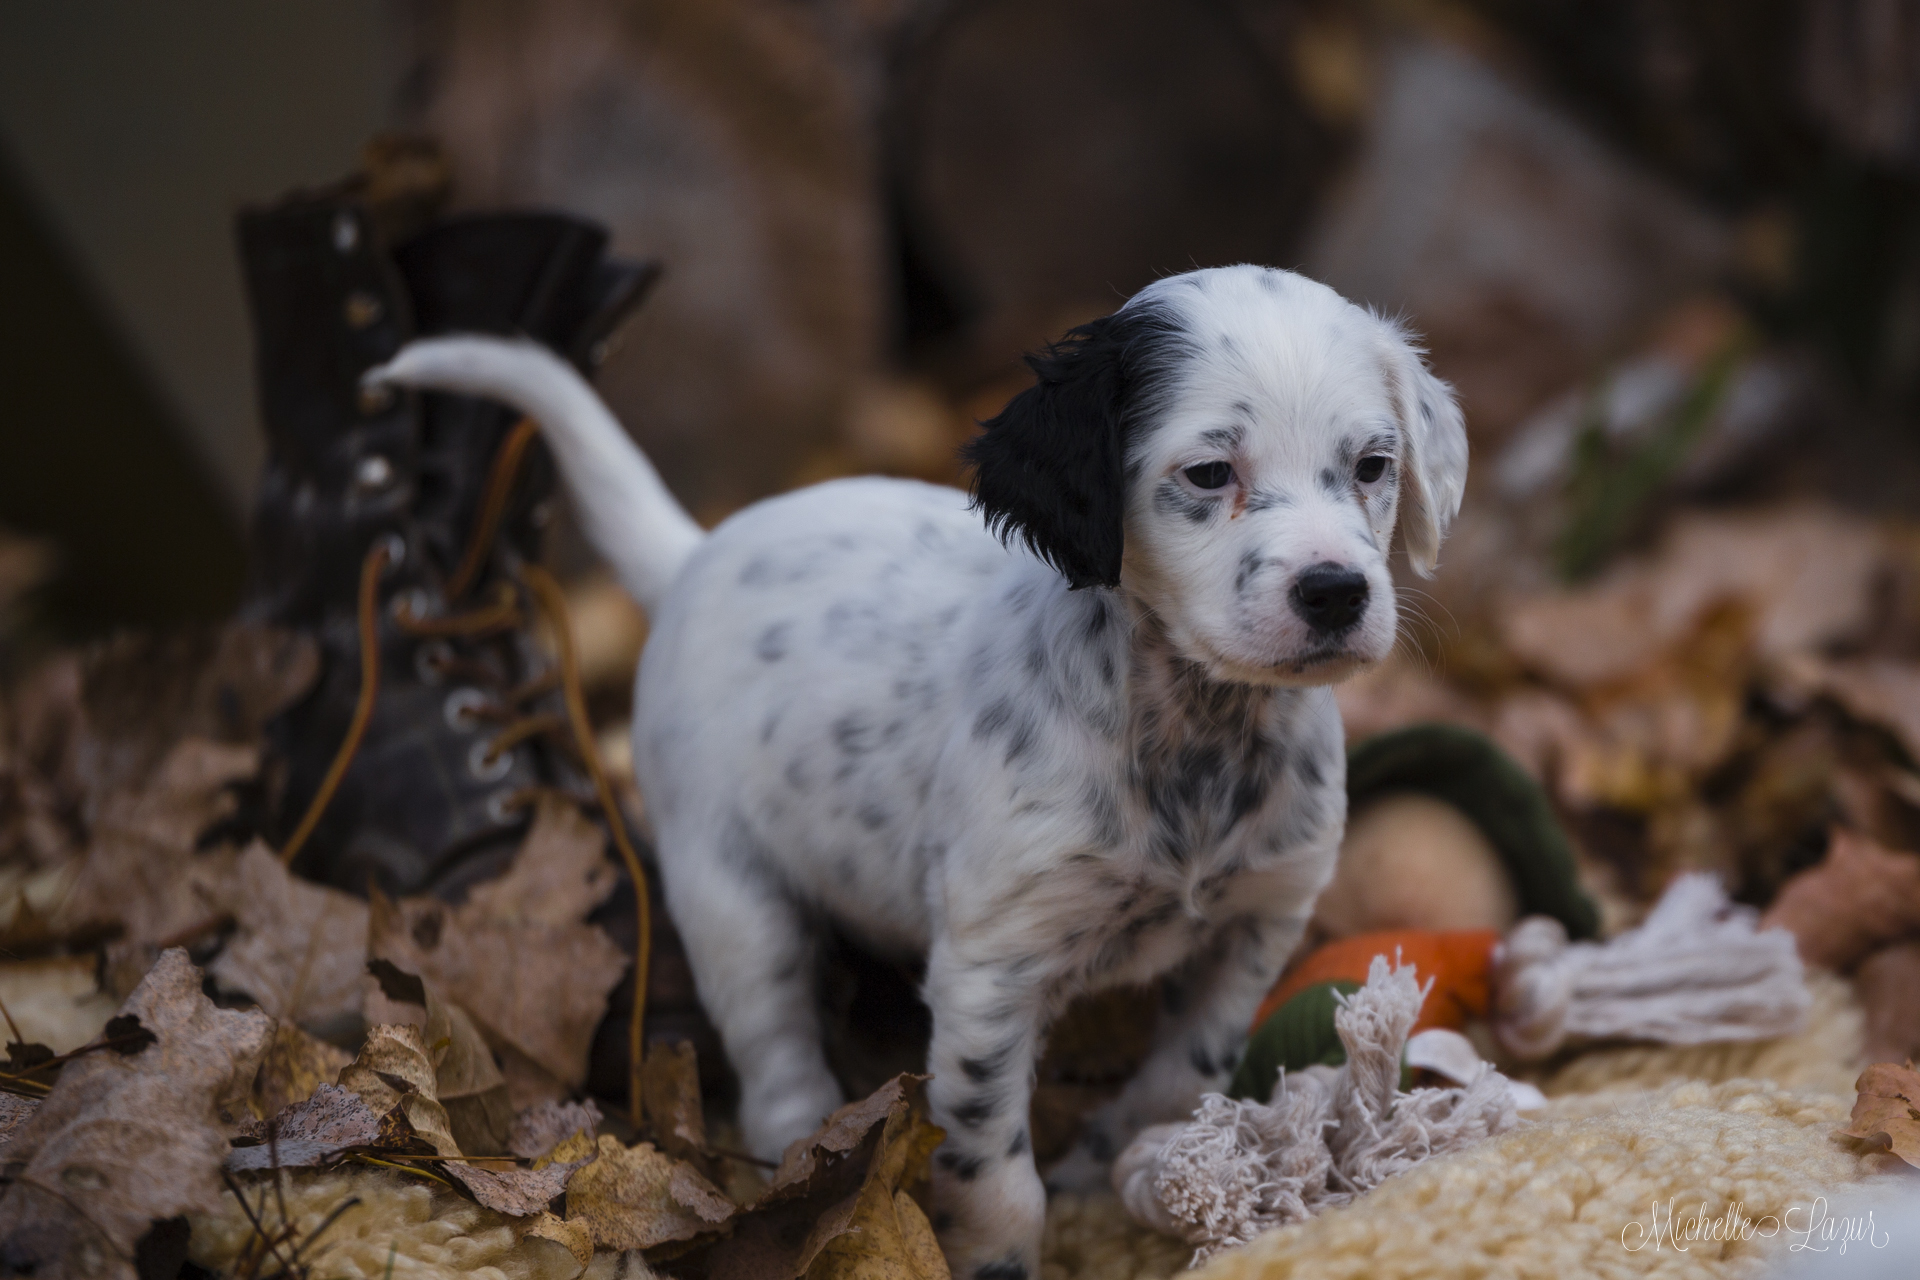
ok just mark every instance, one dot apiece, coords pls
pixel 1460 961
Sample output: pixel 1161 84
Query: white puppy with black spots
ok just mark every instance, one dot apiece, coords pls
pixel 1097 749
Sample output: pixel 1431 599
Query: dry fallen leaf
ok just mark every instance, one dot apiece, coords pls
pixel 14 1111
pixel 140 870
pixel 518 954
pixel 670 1097
pixel 540 1130
pixel 1860 897
pixel 1887 1110
pixel 295 1066
pixel 467 1082
pixel 125 1140
pixel 143 692
pixel 313 1133
pixel 299 948
pixel 393 1070
pixel 519 1193
pixel 837 1208
pixel 573 1236
pixel 637 1198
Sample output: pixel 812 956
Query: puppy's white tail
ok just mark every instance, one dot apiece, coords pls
pixel 626 511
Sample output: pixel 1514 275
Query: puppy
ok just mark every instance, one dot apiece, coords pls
pixel 1097 748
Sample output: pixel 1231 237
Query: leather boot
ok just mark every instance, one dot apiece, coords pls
pixel 433 799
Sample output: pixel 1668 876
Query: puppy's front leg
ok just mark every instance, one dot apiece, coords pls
pixel 1208 1002
pixel 989 1206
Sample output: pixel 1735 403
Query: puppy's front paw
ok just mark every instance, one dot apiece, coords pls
pixel 989 1225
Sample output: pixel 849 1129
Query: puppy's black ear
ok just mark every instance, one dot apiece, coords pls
pixel 1050 469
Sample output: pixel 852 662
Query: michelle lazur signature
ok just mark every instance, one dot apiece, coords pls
pixel 1811 1228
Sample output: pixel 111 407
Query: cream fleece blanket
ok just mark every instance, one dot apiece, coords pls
pixel 1562 1198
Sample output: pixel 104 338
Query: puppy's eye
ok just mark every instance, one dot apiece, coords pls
pixel 1210 475
pixel 1371 468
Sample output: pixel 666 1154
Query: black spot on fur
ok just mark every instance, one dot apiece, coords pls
pixel 853 735
pixel 964 1167
pixel 1310 770
pixel 942 1221
pixel 1021 740
pixel 758 572
pixel 1018 1147
pixel 1005 1269
pixel 993 719
pixel 1202 1060
pixel 1330 481
pixel 796 774
pixel 773 642
pixel 1267 499
pixel 1170 499
pixel 987 1066
pixel 873 817
pixel 1250 562
pixel 1048 469
pixel 1098 1143
pixel 977 1110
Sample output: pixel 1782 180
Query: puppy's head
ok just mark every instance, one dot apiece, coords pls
pixel 1234 447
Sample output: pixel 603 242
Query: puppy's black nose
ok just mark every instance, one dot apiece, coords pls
pixel 1330 597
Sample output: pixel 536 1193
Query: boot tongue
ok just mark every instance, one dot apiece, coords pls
pixel 538 275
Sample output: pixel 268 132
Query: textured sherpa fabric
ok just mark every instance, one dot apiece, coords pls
pixel 418 1230
pixel 1619 1126
pixel 1584 1197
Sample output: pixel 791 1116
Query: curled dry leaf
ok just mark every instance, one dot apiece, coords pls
pixel 298 947
pixel 638 1198
pixel 518 954
pixel 571 1236
pixel 125 1140
pixel 837 1208
pixel 1887 1109
pixel 467 1083
pixel 394 1072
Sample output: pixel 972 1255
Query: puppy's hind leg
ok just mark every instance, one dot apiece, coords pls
pixel 753 959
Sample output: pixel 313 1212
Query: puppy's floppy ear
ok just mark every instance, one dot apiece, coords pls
pixel 1050 469
pixel 1433 452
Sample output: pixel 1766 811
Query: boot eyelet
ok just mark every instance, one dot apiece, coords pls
pixel 373 472
pixel 430 661
pixel 396 548
pixel 462 709
pixel 363 309
pixel 412 605
pixel 505 807
pixel 485 765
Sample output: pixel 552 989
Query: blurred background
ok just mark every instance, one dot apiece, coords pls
pixel 1668 252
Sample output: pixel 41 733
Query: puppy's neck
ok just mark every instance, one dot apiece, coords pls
pixel 1173 702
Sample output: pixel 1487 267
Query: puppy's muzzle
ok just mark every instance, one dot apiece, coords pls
pixel 1330 597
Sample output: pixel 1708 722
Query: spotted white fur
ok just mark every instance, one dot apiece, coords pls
pixel 856 703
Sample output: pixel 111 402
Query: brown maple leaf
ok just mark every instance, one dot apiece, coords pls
pixel 518 954
pixel 128 1139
